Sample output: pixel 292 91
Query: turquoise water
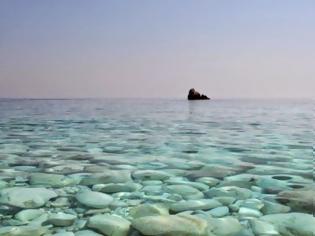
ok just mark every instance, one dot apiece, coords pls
pixel 251 157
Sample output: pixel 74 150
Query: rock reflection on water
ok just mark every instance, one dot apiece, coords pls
pixel 156 167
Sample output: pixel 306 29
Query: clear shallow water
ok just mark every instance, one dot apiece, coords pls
pixel 261 146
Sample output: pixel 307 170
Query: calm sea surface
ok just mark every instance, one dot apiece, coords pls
pixel 220 148
pixel 279 133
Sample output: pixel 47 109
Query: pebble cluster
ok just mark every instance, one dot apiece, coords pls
pixel 173 197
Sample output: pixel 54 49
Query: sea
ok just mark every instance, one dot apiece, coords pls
pixel 252 158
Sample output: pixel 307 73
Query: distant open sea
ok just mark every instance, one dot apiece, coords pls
pixel 148 151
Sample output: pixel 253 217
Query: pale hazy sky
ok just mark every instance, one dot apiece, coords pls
pixel 157 48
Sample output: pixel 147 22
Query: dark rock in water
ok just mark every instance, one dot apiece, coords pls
pixel 302 200
pixel 194 95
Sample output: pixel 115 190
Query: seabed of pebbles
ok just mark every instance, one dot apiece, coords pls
pixel 121 199
pixel 82 184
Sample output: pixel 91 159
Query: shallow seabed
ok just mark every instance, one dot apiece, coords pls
pixel 135 167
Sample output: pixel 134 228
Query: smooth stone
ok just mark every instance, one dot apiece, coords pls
pixel 187 192
pixel 118 187
pixel 22 231
pixel 214 171
pixel 191 205
pixel 256 189
pixel 236 204
pixel 26 197
pixel 241 184
pixel 97 211
pixel 252 203
pixel 117 203
pixel 180 181
pixel 64 234
pixel 185 165
pixel 151 175
pixel 126 195
pixel 249 212
pixel 175 172
pixel 123 167
pixel 152 165
pixel 161 199
pixel 152 189
pixel 68 168
pixel 171 225
pixel 61 202
pixel 52 180
pixel 229 191
pixel 39 220
pixel 270 185
pixel 97 169
pixel 219 211
pixel 71 190
pixel 274 208
pixel 79 223
pixel 241 180
pixel 244 177
pixel 226 201
pixel 151 182
pixel 110 225
pixel 149 210
pixel 86 233
pixel 121 176
pixel 226 226
pixel 8 210
pixel 289 224
pixel 299 200
pixel 270 170
pixel 61 219
pixel 3 184
pixel 29 214
pixel 200 186
pixel 94 199
pixel 12 222
pixel 211 182
pixel 262 228
pixel 246 232
pixel 123 212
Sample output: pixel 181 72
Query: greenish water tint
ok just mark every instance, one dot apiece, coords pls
pixel 235 164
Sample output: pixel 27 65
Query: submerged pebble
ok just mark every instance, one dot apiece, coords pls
pixel 86 233
pixel 149 210
pixel 186 191
pixel 190 205
pixel 29 214
pixel 230 191
pixel 225 226
pixel 51 180
pixel 299 224
pixel 26 197
pixel 23 231
pixel 219 211
pixel 61 219
pixel 94 199
pixel 109 225
pixel 171 225
pixel 151 175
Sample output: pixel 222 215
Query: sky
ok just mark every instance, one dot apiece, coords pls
pixel 157 48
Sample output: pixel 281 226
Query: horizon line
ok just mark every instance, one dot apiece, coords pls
pixel 184 98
